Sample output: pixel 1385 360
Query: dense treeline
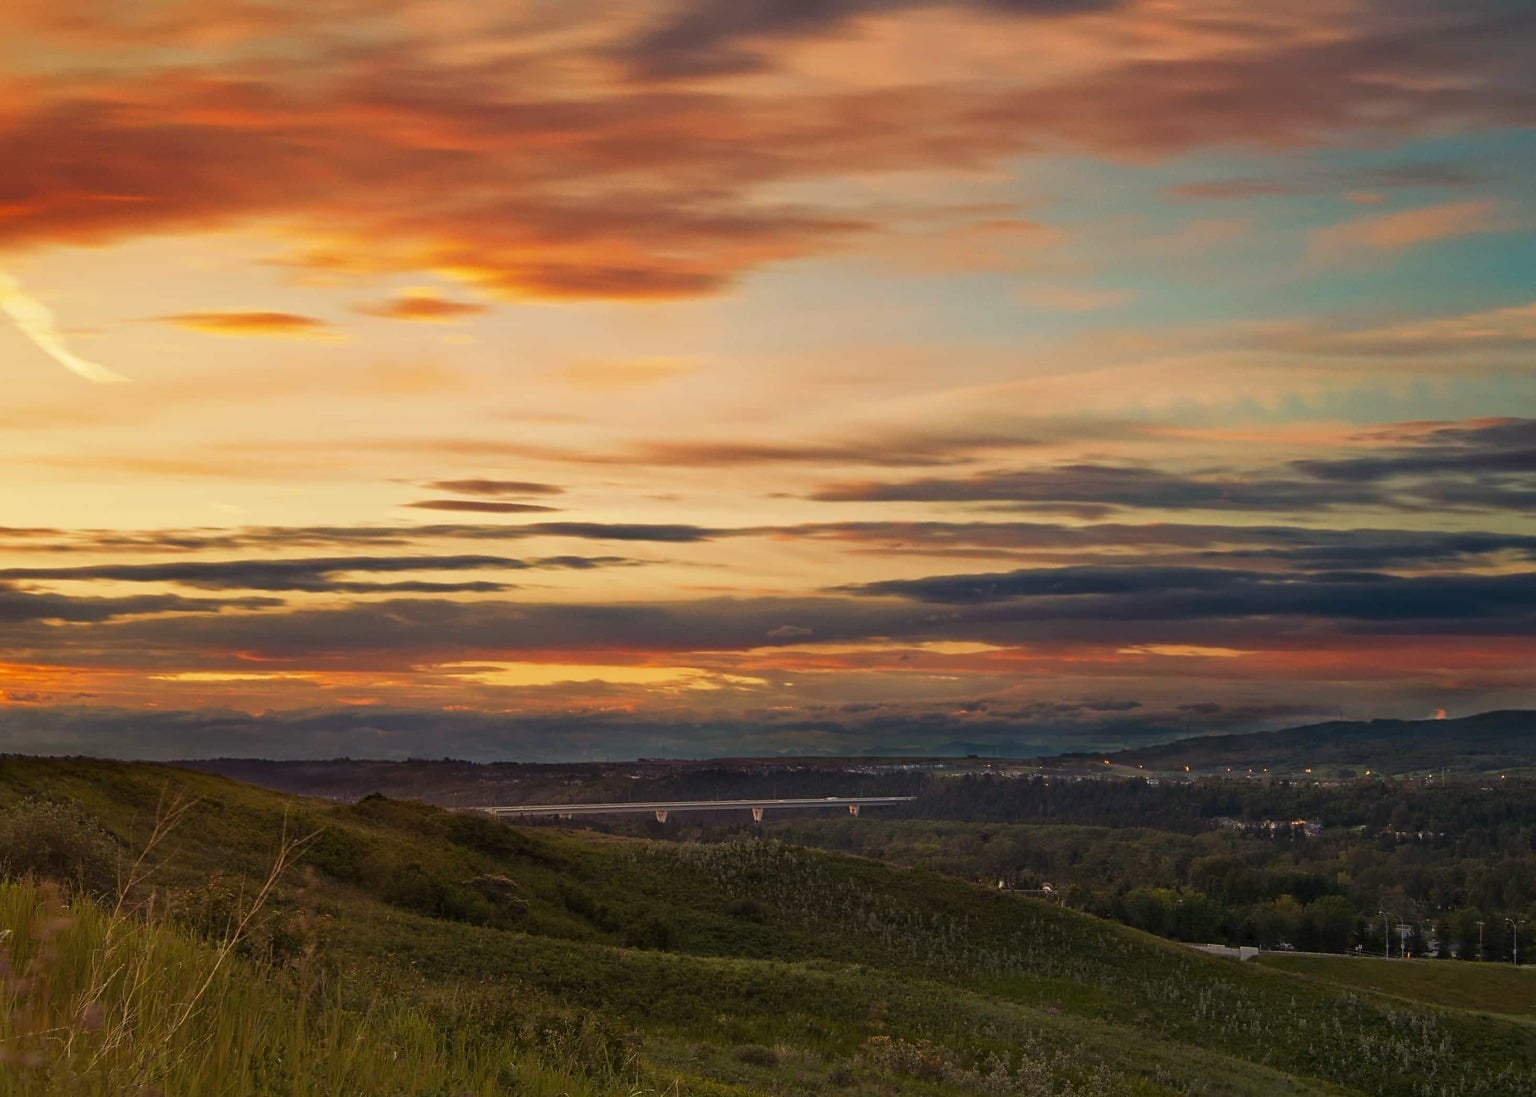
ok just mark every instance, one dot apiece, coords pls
pixel 1487 815
pixel 1229 861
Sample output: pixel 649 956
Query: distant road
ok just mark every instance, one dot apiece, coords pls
pixel 661 808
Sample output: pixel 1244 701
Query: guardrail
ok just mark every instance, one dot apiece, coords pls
pixel 663 808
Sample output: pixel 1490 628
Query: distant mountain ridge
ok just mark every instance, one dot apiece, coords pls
pixel 1484 743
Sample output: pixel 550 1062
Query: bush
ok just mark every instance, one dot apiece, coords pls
pixel 584 1042
pixel 52 840
pixel 756 1055
pixel 747 909
pixel 650 932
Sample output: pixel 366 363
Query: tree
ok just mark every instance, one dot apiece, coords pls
pixel 1327 925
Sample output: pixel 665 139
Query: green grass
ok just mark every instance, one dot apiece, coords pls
pixel 745 968
pixel 97 1003
pixel 1483 988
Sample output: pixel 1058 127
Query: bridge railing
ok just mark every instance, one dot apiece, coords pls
pixel 663 808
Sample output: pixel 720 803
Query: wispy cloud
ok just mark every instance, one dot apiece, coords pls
pixel 1353 184
pixel 1475 465
pixel 723 36
pixel 261 538
pixel 423 305
pixel 319 574
pixel 481 506
pixel 1469 338
pixel 496 487
pixel 35 320
pixel 1403 229
pixel 251 323
pixel 1093 489
pixel 19 606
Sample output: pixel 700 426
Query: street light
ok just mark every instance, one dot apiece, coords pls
pixel 1516 927
pixel 1386 932
pixel 1480 953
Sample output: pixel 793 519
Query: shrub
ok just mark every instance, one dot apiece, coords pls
pixel 756 1055
pixel 650 932
pixel 53 840
pixel 747 909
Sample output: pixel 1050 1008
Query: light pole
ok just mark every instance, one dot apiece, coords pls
pixel 1516 927
pixel 1386 933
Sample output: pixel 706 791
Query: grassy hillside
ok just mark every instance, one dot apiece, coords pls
pixel 102 1004
pixel 745 968
pixel 1483 988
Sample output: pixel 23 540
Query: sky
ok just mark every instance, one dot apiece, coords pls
pixel 586 380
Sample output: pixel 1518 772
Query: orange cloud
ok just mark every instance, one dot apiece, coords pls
pixel 1484 333
pixel 1403 229
pixel 250 323
pixel 480 506
pixel 422 305
pixel 562 177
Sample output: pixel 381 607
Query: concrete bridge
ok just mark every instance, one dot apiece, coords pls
pixel 663 808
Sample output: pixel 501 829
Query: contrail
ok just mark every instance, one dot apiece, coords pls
pixel 35 320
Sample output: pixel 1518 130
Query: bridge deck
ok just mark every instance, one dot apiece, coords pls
pixel 649 807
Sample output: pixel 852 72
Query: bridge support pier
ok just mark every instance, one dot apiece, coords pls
pixel 661 815
pixel 757 814
pixel 853 809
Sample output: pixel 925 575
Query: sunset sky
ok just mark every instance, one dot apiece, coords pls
pixel 579 380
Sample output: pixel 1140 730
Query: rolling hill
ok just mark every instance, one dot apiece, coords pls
pixel 739 968
pixel 1489 742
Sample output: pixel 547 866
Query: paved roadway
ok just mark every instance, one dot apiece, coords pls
pixel 650 807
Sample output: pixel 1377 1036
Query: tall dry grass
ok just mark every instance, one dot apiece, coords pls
pixel 100 996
